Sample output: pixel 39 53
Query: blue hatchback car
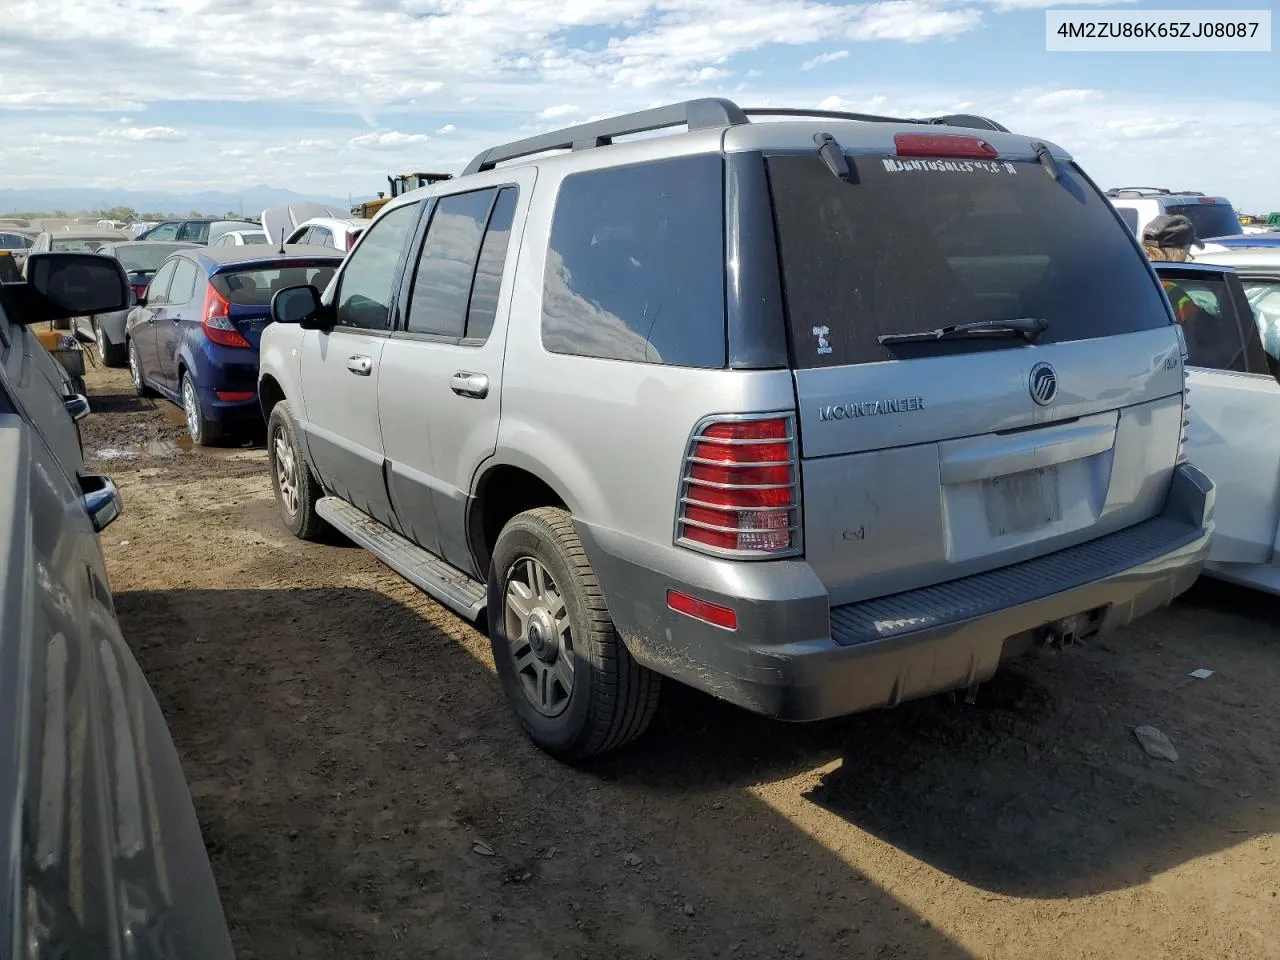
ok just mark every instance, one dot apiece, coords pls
pixel 193 338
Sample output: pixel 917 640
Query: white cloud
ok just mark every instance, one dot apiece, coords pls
pixel 1065 97
pixel 302 147
pixel 162 134
pixel 558 111
pixel 388 140
pixel 824 58
pixel 447 129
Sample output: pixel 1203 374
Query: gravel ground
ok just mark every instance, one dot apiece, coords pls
pixel 364 793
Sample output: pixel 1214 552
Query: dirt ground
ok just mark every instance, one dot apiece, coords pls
pixel 364 793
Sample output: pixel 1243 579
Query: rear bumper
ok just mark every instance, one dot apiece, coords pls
pixel 228 370
pixel 795 657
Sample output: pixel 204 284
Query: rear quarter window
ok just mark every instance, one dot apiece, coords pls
pixel 635 266
pixel 909 247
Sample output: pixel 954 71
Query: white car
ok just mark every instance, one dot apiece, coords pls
pixel 240 238
pixel 1233 403
pixel 340 233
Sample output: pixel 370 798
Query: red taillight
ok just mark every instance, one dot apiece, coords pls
pixel 943 145
pixel 140 289
pixel 234 395
pixel 703 610
pixel 1208 200
pixel 217 321
pixel 738 492
pixel 351 239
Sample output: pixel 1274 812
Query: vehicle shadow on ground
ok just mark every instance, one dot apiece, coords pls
pixel 121 403
pixel 363 792
pixel 1038 789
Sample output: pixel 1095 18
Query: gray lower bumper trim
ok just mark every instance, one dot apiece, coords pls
pixel 986 593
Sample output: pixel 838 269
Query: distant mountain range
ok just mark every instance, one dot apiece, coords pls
pixel 250 201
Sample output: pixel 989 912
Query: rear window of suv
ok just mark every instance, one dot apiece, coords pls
pixel 1209 219
pixel 906 246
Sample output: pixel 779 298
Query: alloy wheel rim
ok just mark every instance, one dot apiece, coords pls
pixel 191 409
pixel 540 639
pixel 286 472
pixel 134 370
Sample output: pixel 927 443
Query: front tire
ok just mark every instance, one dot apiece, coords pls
pixel 295 487
pixel 565 672
pixel 135 372
pixel 203 431
pixel 112 354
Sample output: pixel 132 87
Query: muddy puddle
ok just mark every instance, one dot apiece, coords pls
pixel 172 447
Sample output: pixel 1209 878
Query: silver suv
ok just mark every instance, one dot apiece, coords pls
pixel 816 414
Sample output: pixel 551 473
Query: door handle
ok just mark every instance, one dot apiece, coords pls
pixel 474 385
pixel 360 366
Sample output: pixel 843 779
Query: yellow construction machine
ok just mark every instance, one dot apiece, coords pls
pixel 398 185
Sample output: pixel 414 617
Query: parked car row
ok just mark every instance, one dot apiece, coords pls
pixel 706 408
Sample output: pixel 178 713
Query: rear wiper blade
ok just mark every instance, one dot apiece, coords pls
pixel 1029 328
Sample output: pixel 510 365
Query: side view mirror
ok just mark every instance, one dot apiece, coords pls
pixel 63 285
pixel 300 305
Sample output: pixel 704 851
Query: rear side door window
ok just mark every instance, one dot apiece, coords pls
pixel 194 232
pixel 635 267
pixel 442 283
pixel 368 280
pixel 183 286
pixel 1203 307
pixel 158 289
pixel 321 237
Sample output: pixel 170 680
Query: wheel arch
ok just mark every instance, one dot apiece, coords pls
pixel 502 489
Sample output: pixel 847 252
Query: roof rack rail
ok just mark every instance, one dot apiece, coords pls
pixel 1138 191
pixel 704 114
pixel 695 114
pixel 951 120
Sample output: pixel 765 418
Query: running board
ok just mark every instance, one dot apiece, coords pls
pixel 446 583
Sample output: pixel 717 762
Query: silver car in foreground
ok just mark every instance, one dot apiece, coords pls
pixel 815 414
pixel 102 851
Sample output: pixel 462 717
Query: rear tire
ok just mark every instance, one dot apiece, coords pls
pixel 111 354
pixel 135 371
pixel 203 431
pixel 295 487
pixel 572 683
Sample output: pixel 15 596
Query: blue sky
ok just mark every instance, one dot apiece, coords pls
pixel 326 97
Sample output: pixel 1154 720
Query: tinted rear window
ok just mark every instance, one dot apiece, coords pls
pixel 77 244
pixel 911 246
pixel 255 286
pixel 149 256
pixel 14 241
pixel 1210 219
